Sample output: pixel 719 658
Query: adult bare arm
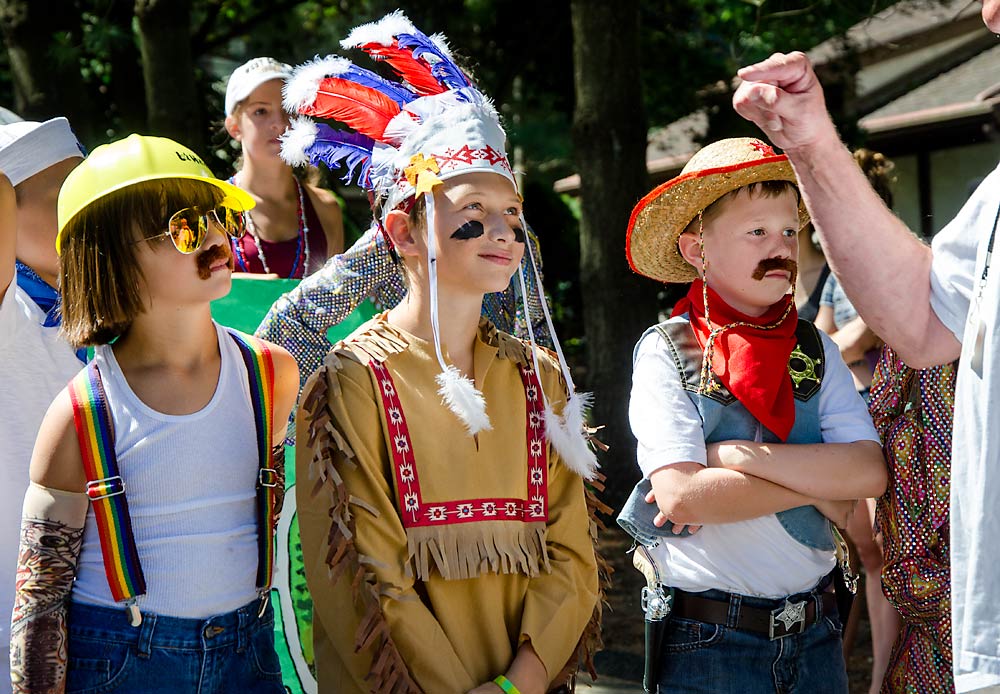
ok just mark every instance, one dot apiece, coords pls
pixel 834 471
pixel 883 268
pixel 692 494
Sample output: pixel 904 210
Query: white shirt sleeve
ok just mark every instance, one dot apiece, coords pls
pixel 953 268
pixel 663 418
pixel 843 413
pixel 8 313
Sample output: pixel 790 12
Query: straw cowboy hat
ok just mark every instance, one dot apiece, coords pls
pixel 659 218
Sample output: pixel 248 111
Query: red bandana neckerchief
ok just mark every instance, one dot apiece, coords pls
pixel 751 361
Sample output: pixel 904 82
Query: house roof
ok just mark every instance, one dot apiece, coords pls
pixel 897 25
pixel 970 88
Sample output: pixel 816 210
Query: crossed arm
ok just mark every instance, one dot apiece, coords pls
pixel 732 481
pixel 746 480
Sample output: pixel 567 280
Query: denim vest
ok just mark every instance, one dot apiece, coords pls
pixel 725 418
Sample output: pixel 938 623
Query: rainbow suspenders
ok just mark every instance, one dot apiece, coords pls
pixel 106 489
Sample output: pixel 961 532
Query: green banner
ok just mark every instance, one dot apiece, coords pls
pixel 243 309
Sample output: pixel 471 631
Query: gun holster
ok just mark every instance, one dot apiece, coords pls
pixel 657 602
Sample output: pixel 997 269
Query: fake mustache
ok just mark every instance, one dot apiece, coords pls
pixel 770 264
pixel 207 259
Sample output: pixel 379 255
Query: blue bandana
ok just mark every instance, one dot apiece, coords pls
pixel 45 297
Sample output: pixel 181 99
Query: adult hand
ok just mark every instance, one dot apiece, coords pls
pixel 487 688
pixel 661 519
pixel 785 99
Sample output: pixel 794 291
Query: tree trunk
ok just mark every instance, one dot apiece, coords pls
pixel 47 83
pixel 609 137
pixel 173 103
pixel 126 91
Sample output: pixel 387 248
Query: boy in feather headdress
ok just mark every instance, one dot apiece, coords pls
pixel 750 433
pixel 446 538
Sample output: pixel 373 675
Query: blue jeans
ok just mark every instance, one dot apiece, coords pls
pixel 233 652
pixel 702 658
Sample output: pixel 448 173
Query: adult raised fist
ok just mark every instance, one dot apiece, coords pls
pixel 785 99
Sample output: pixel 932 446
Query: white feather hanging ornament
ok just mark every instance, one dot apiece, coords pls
pixel 568 434
pixel 460 395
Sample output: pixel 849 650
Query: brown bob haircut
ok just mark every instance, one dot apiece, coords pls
pixel 99 276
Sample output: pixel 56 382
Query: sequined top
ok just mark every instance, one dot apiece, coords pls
pixel 300 319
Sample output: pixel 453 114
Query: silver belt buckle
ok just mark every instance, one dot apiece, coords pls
pixel 790 614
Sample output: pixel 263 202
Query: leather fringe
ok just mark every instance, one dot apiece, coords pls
pixel 468 550
pixel 388 672
pixel 591 641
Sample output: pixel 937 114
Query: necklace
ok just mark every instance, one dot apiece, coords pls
pixel 301 239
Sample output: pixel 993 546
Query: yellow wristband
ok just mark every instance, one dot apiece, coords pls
pixel 506 685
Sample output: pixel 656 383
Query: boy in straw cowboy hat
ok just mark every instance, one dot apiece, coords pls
pixel 445 530
pixel 751 436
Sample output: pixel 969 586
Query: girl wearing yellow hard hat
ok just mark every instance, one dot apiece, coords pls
pixel 295 226
pixel 147 528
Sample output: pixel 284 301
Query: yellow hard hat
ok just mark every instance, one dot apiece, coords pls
pixel 135 159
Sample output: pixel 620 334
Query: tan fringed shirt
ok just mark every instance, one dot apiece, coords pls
pixel 441 603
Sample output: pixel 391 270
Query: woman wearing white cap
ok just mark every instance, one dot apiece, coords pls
pixel 295 226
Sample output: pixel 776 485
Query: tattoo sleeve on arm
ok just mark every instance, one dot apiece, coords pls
pixel 278 461
pixel 46 567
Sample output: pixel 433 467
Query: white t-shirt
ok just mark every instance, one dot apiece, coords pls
pixel 37 364
pixel 752 557
pixel 959 259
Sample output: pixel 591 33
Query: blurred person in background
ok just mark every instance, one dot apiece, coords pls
pixel 295 226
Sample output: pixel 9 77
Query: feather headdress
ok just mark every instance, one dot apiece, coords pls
pixel 405 138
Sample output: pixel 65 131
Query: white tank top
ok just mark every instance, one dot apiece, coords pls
pixel 190 483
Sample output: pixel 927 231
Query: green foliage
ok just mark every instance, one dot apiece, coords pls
pixel 691 44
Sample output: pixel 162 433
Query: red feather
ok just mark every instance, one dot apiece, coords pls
pixel 415 71
pixel 361 108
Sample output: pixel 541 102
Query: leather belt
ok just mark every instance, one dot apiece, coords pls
pixel 790 617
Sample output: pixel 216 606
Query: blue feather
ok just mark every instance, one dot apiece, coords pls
pixel 340 147
pixel 445 71
pixel 397 92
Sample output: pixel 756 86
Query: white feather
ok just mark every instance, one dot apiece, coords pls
pixel 300 91
pixel 566 434
pixel 441 41
pixel 382 32
pixel 461 397
pixel 301 134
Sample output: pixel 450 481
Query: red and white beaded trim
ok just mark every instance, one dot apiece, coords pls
pixel 416 513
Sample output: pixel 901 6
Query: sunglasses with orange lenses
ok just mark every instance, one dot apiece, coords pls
pixel 188 228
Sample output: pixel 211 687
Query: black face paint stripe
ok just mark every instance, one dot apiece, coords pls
pixel 519 234
pixel 469 230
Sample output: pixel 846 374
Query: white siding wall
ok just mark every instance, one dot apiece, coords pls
pixel 954 173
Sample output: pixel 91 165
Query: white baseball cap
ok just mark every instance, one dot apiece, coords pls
pixel 251 75
pixel 29 147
